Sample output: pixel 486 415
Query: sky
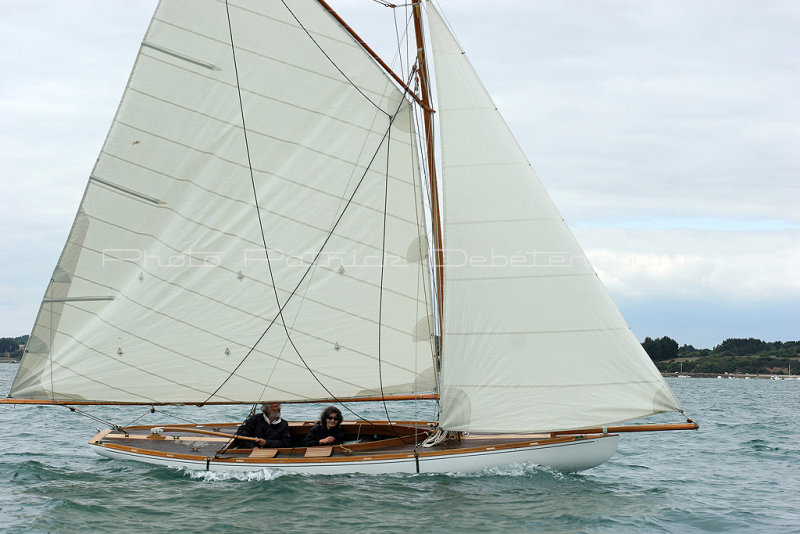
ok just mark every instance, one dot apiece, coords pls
pixel 666 132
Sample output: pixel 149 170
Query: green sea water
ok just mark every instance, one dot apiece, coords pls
pixel 739 473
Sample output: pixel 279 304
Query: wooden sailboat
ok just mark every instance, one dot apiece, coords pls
pixel 267 221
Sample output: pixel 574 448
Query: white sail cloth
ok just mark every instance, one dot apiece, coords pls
pixel 531 339
pixel 164 293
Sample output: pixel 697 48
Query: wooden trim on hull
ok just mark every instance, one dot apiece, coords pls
pixel 689 425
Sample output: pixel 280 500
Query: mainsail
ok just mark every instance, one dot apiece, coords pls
pixel 531 339
pixel 253 226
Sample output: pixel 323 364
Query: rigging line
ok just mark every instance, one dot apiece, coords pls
pixel 95 418
pixel 174 416
pixel 384 3
pixel 324 53
pixel 235 434
pixel 403 63
pixel 151 410
pixel 383 268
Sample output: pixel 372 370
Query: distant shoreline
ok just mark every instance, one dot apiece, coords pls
pixel 731 375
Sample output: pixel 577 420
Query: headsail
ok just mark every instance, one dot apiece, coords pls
pixel 532 340
pixel 164 293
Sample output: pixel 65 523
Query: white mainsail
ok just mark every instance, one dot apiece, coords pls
pixel 531 339
pixel 163 292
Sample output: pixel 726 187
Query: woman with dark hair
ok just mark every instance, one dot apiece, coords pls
pixel 327 431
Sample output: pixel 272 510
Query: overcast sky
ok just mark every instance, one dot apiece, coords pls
pixel 667 133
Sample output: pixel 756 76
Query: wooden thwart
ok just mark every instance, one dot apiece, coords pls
pixel 319 452
pixel 263 453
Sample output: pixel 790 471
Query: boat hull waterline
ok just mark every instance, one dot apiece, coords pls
pixel 470 454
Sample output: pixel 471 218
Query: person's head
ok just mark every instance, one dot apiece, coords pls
pixel 271 409
pixel 331 417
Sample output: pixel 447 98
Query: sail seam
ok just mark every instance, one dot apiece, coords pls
pixel 321 230
pixel 234 272
pixel 253 315
pixel 588 274
pixel 557 386
pixel 490 164
pixel 256 132
pixel 263 96
pixel 535 332
pixel 96 381
pixel 332 196
pixel 503 221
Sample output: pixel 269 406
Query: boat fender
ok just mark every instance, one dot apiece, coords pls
pixel 605 430
pixel 416 460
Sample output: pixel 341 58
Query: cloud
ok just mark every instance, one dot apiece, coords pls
pixel 690 265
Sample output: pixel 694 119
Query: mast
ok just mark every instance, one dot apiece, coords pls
pixel 427 113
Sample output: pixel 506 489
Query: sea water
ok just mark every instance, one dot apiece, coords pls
pixel 739 473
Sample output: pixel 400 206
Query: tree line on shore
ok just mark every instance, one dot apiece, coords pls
pixel 12 347
pixel 734 355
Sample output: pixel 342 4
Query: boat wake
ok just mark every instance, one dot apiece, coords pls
pixel 267 475
pixel 264 475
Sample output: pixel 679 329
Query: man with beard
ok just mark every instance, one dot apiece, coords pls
pixel 272 431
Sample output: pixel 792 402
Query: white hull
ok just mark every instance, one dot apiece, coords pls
pixel 567 457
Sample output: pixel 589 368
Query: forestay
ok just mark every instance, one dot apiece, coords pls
pixel 532 340
pixel 163 292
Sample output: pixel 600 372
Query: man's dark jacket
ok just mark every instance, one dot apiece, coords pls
pixel 258 426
